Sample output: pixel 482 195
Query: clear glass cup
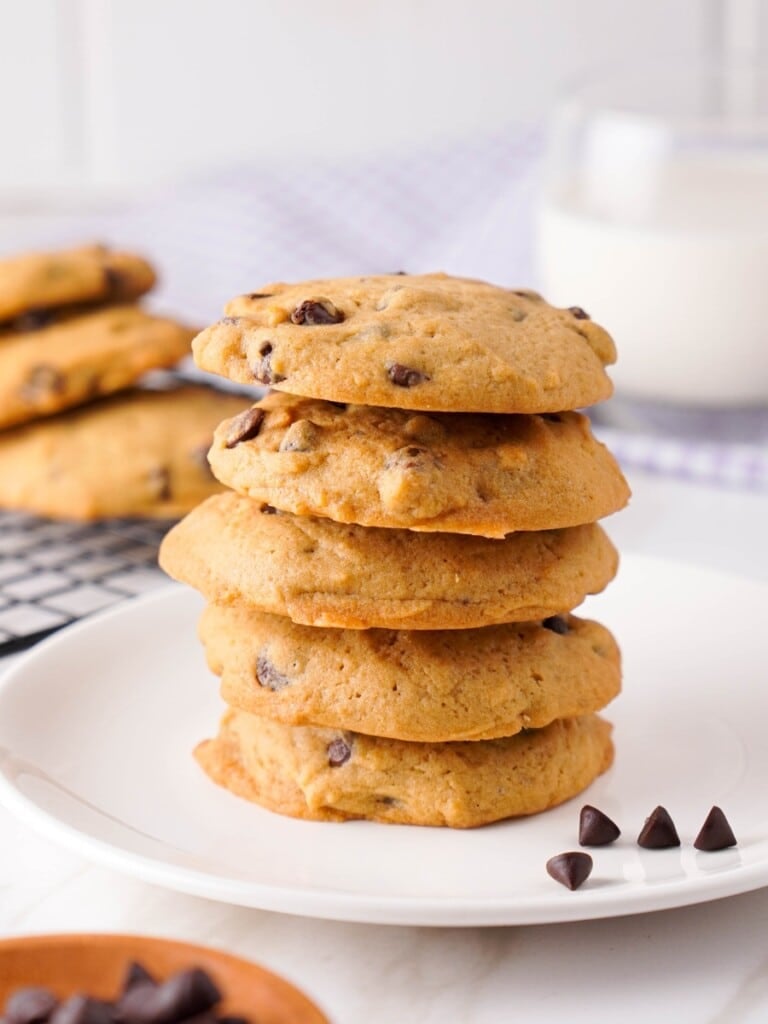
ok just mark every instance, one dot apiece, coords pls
pixel 654 218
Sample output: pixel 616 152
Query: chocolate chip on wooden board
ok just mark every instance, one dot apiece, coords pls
pixel 31 1005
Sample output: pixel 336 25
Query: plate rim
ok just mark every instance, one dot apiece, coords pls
pixel 335 904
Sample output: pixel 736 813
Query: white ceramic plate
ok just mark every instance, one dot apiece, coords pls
pixel 97 725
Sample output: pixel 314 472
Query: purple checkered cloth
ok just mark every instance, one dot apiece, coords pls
pixel 465 208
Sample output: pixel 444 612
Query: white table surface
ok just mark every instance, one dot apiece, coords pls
pixel 704 965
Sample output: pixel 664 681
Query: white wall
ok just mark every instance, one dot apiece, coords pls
pixel 120 93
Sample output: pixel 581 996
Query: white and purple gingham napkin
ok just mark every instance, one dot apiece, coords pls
pixel 464 208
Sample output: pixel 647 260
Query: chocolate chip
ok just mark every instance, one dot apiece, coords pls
pixel 659 831
pixel 244 427
pixel 32 320
pixel 404 376
pixel 596 828
pixel 570 869
pixel 411 457
pixel 261 295
pixel 136 974
pixel 186 994
pixel 268 510
pixel 316 312
pixel 42 380
pixel 31 1005
pixel 160 481
pixel 117 283
pixel 301 436
pixel 339 752
pixel 716 833
pixel 557 624
pixel 81 1010
pixel 578 312
pixel 268 676
pixel 263 371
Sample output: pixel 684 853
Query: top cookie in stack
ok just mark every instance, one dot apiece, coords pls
pixel 70 334
pixel 418 467
pixel 429 342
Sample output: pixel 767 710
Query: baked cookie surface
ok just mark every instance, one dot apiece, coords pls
pixel 330 775
pixel 415 685
pixel 322 573
pixel 429 342
pixel 40 281
pixel 141 453
pixel 487 475
pixel 81 357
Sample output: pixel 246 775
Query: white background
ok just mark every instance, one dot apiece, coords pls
pixel 116 94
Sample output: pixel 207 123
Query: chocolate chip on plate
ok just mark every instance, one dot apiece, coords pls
pixel 186 994
pixel 31 1005
pixel 570 869
pixel 405 376
pixel 716 833
pixel 316 312
pixel 579 313
pixel 339 752
pixel 557 624
pixel 596 828
pixel 244 427
pixel 658 832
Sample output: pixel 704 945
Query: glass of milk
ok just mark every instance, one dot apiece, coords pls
pixel 654 218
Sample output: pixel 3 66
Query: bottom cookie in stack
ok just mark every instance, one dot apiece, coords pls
pixel 330 775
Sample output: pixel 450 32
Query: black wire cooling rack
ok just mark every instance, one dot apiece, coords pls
pixel 53 573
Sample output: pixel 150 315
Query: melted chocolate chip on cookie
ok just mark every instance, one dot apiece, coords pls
pixel 405 376
pixel 339 753
pixel 263 371
pixel 316 312
pixel 244 427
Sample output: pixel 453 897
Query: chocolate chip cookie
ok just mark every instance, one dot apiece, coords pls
pixel 332 775
pixel 81 357
pixel 428 342
pixel 425 686
pixel 141 453
pixel 321 573
pixel 39 281
pixel 486 475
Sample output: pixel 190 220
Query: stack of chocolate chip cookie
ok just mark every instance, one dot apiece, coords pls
pixel 70 334
pixel 412 517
